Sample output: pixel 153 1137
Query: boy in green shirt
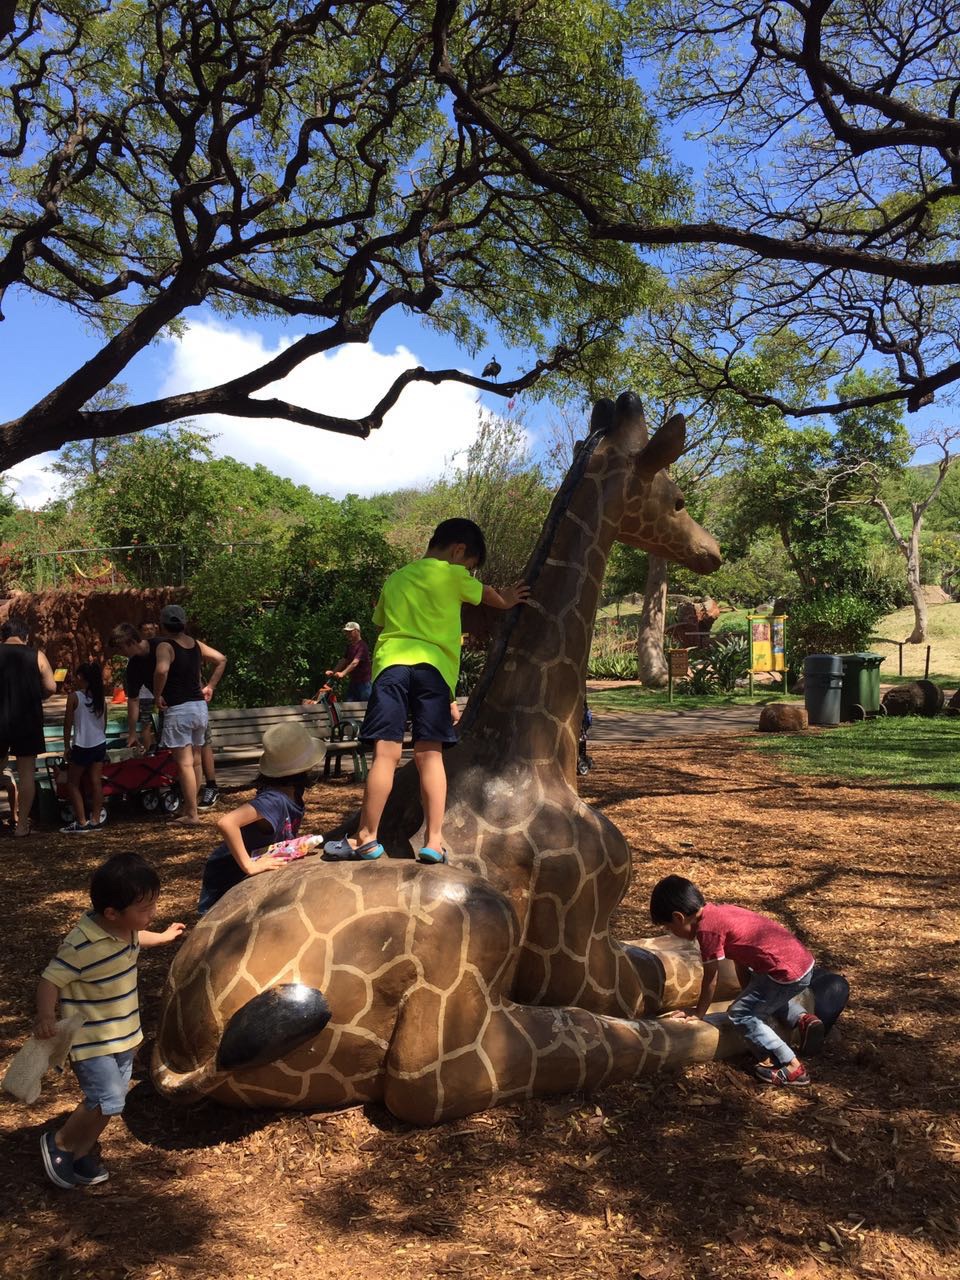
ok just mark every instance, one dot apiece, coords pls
pixel 415 668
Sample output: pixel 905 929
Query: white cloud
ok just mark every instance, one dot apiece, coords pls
pixel 31 485
pixel 426 427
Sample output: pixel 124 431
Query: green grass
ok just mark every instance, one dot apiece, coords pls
pixel 631 612
pixel 908 752
pixel 636 698
pixel 941 678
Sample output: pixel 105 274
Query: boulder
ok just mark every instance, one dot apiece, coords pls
pixel 694 620
pixel 783 717
pixel 918 698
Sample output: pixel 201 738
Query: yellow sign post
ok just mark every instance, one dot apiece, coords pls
pixel 767 643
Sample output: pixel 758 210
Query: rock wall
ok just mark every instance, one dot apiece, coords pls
pixel 73 626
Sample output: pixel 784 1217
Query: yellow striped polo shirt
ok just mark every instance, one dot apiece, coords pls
pixel 96 975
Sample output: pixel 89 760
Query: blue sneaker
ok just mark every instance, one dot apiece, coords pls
pixel 57 1164
pixel 88 1171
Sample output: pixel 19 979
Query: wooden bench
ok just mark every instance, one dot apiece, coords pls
pixel 236 735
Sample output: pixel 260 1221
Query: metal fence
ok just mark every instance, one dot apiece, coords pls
pixel 159 564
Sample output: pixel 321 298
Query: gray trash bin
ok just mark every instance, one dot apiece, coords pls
pixel 823 687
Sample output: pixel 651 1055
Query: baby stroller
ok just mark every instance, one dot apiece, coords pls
pixel 584 761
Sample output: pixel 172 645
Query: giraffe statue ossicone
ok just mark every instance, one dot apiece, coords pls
pixel 448 989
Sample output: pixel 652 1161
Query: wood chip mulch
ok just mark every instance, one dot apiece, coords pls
pixel 704 1175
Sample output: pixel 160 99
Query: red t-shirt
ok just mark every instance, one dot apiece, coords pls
pixel 762 945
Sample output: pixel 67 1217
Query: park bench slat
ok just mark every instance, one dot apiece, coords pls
pixel 236 734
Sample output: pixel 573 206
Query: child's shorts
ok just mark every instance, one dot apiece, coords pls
pixel 88 755
pixel 418 693
pixel 105 1081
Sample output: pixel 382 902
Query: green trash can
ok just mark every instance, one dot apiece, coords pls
pixel 860 695
pixel 822 686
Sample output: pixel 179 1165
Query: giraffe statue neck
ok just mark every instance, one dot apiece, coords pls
pixel 529 701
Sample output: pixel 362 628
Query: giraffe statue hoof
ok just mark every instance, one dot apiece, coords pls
pixel 271 1025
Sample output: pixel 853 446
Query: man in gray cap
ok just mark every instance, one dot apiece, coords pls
pixel 179 693
pixel 355 663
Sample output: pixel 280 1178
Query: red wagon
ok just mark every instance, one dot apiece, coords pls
pixel 152 778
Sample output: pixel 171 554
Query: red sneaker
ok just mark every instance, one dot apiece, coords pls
pixel 812 1035
pixel 781 1075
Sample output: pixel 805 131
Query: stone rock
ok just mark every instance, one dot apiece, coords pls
pixel 783 717
pixel 953 706
pixel 918 698
pixel 694 620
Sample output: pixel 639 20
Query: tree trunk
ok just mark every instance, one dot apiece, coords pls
pixel 651 664
pixel 919 633
pixel 909 548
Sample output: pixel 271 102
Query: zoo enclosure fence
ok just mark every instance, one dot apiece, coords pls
pixel 158 564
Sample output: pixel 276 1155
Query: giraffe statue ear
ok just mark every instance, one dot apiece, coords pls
pixel 602 417
pixel 665 447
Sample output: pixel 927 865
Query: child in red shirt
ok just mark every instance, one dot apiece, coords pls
pixel 773 966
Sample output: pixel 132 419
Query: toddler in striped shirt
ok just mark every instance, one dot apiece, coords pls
pixel 95 974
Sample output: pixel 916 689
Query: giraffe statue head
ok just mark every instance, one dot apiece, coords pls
pixel 652 514
pixel 529 700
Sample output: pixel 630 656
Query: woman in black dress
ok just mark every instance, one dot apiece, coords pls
pixel 25 681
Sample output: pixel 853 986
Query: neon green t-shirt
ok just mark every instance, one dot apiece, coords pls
pixel 419 611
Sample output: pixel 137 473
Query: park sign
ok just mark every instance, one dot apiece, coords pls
pixel 767 635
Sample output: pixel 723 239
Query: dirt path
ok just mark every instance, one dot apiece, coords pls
pixel 705 1175
pixel 646 726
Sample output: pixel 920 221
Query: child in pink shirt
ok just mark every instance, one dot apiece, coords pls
pixel 772 965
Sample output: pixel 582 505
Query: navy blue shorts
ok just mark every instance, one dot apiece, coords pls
pixel 419 694
pixel 88 755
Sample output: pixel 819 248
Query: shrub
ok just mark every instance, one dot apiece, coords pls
pixel 613 666
pixel 829 624
pixel 701 680
pixel 278 610
pixel 471 665
pixel 718 668
pixel 730 657
pixel 613 654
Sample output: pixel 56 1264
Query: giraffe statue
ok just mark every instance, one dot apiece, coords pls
pixel 513 813
pixel 445 990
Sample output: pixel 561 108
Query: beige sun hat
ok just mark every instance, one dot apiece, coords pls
pixel 289 749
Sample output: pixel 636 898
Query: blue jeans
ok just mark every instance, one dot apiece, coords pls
pixel 358 692
pixel 764 998
pixel 105 1081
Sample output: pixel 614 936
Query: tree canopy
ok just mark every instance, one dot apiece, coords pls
pixel 307 160
pixel 831 198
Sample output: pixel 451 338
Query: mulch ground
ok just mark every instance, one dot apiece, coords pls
pixel 704 1175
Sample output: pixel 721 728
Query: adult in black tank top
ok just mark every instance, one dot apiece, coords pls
pixel 183 699
pixel 26 680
